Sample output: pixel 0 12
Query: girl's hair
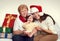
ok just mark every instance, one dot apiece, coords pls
pixel 45 16
pixel 28 17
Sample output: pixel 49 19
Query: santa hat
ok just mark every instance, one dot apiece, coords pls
pixel 36 8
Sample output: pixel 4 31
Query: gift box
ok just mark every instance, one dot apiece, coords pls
pixel 7 26
pixel 5 32
pixel 6 35
pixel 2 35
pixel 9 20
pixel 1 29
pixel 8 30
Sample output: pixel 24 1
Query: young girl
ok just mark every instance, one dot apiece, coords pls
pixel 30 27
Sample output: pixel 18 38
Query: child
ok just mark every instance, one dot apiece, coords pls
pixel 30 27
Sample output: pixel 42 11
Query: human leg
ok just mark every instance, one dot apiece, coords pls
pixel 49 38
pixel 29 38
pixel 17 38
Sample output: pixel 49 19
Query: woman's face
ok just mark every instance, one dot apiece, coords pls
pixel 36 15
pixel 30 18
pixel 24 12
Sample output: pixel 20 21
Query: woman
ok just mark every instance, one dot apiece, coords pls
pixel 48 31
pixel 18 33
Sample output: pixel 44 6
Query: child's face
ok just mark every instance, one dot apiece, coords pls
pixel 30 18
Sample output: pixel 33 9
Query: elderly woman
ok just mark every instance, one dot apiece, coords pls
pixel 18 32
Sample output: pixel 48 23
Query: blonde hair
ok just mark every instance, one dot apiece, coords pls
pixel 22 6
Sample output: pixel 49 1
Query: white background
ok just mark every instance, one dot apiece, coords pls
pixel 51 7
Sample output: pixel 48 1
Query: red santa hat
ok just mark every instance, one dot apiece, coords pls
pixel 36 8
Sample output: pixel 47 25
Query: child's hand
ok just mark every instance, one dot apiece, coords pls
pixel 38 28
pixel 26 32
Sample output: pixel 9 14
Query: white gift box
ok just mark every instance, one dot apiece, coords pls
pixel 6 35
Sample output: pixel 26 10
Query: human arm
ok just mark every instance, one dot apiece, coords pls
pixel 49 28
pixel 17 29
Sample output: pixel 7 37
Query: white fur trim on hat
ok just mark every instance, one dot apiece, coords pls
pixel 34 9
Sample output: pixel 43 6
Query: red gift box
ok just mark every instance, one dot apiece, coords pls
pixel 9 20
